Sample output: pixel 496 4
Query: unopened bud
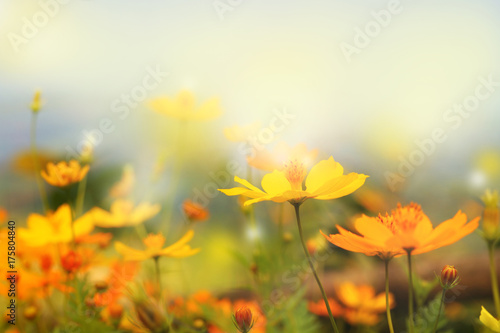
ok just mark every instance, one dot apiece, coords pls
pixel 101 285
pixel 449 277
pixel 243 319
pixel 30 312
pixel 36 105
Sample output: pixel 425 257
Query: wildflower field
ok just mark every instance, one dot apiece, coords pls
pixel 237 166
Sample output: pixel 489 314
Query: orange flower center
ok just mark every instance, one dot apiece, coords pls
pixel 295 172
pixel 402 219
pixel 154 241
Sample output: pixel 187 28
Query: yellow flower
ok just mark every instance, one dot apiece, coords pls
pixel 154 244
pixel 407 229
pixel 36 105
pixel 489 321
pixel 55 228
pixel 239 133
pixel 63 174
pixel 124 187
pixel 183 107
pixel 123 214
pixel 325 181
pixel 274 160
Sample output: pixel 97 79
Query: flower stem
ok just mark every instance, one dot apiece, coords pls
pixel 494 281
pixel 387 305
pixel 439 312
pixel 80 196
pixel 309 259
pixel 410 293
pixel 34 153
pixel 158 280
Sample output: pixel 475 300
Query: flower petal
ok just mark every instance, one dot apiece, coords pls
pixel 489 321
pixel 321 173
pixel 129 253
pixel 340 186
pixel 370 227
pixel 275 183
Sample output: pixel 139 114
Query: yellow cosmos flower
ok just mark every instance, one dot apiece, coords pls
pixel 274 160
pixel 325 181
pixel 489 321
pixel 63 174
pixel 239 133
pixel 183 107
pixel 154 244
pixel 123 214
pixel 407 229
pixel 55 228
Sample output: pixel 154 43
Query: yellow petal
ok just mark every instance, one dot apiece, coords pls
pixel 247 184
pixel 209 110
pixel 371 228
pixel 488 320
pixel 343 186
pixel 84 225
pixel 129 253
pixel 275 183
pixel 321 173
pixel 242 191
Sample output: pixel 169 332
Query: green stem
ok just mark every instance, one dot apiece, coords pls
pixel 34 153
pixel 439 312
pixel 158 275
pixel 387 305
pixel 494 281
pixel 410 293
pixel 311 264
pixel 80 196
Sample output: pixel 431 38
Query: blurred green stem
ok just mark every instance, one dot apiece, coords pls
pixel 439 312
pixel 387 305
pixel 311 264
pixel 34 153
pixel 80 196
pixel 158 275
pixel 410 293
pixel 494 280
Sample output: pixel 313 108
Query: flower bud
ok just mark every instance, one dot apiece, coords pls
pixel 491 215
pixel 194 212
pixel 71 261
pixel 36 105
pixel 30 312
pixel 243 319
pixel 115 310
pixel 101 286
pixel 449 277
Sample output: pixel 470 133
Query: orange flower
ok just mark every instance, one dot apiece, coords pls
pixel 71 261
pixel 274 160
pixel 357 304
pixel 154 244
pixel 406 230
pixel 102 239
pixel 123 214
pixel 194 211
pixel 63 174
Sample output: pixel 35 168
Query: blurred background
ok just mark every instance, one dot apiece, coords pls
pixel 407 92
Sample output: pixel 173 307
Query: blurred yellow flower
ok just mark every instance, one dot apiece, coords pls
pixel 124 186
pixel 407 229
pixel 491 215
pixel 36 105
pixel 183 107
pixel 154 244
pixel 239 133
pixel 489 321
pixel 123 214
pixel 267 160
pixel 325 181
pixel 55 227
pixel 63 174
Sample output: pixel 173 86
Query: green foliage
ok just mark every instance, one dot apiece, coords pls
pixel 426 316
pixel 292 315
